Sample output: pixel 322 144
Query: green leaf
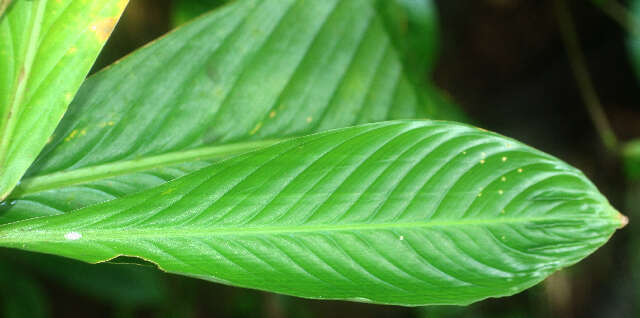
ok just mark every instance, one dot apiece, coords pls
pixel 4 4
pixel 631 156
pixel 401 212
pixel 185 10
pixel 413 25
pixel 46 49
pixel 238 79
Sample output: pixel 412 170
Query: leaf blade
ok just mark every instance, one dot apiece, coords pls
pixel 409 212
pixel 217 82
pixel 41 39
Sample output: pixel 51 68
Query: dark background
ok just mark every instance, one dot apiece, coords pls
pixel 504 63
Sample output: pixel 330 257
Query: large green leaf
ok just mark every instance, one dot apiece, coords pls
pixel 46 49
pixel 412 24
pixel 234 80
pixel 404 212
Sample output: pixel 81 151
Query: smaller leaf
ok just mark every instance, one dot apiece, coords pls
pixel 46 49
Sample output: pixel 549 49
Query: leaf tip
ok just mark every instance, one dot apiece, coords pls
pixel 624 220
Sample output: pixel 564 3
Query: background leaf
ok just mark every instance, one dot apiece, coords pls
pixel 408 212
pixel 634 37
pixel 125 284
pixel 46 49
pixel 229 82
pixel 631 157
pixel 21 296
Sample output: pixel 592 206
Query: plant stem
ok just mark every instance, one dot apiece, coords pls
pixel 583 79
pixel 622 15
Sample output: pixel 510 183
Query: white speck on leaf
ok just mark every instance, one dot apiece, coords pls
pixel 72 236
pixel 401 237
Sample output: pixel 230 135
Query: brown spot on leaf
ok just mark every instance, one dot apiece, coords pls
pixel 21 74
pixel 103 28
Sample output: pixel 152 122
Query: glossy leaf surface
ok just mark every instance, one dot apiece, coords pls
pixel 228 82
pixel 46 49
pixel 405 212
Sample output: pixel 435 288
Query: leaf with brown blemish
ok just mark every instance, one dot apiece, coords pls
pixel 4 4
pixel 216 87
pixel 103 28
pixel 44 59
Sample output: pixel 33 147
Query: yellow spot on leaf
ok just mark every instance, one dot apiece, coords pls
pixel 309 119
pixel 500 192
pixel 503 179
pixel 482 161
pixel 165 192
pixel 83 132
pixel 255 129
pixel 110 123
pixel 272 114
pixel 71 135
pixel 73 49
pixel 504 159
pixel 103 28
pixel 519 170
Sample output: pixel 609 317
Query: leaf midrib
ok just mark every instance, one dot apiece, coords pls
pixel 177 232
pixel 112 169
